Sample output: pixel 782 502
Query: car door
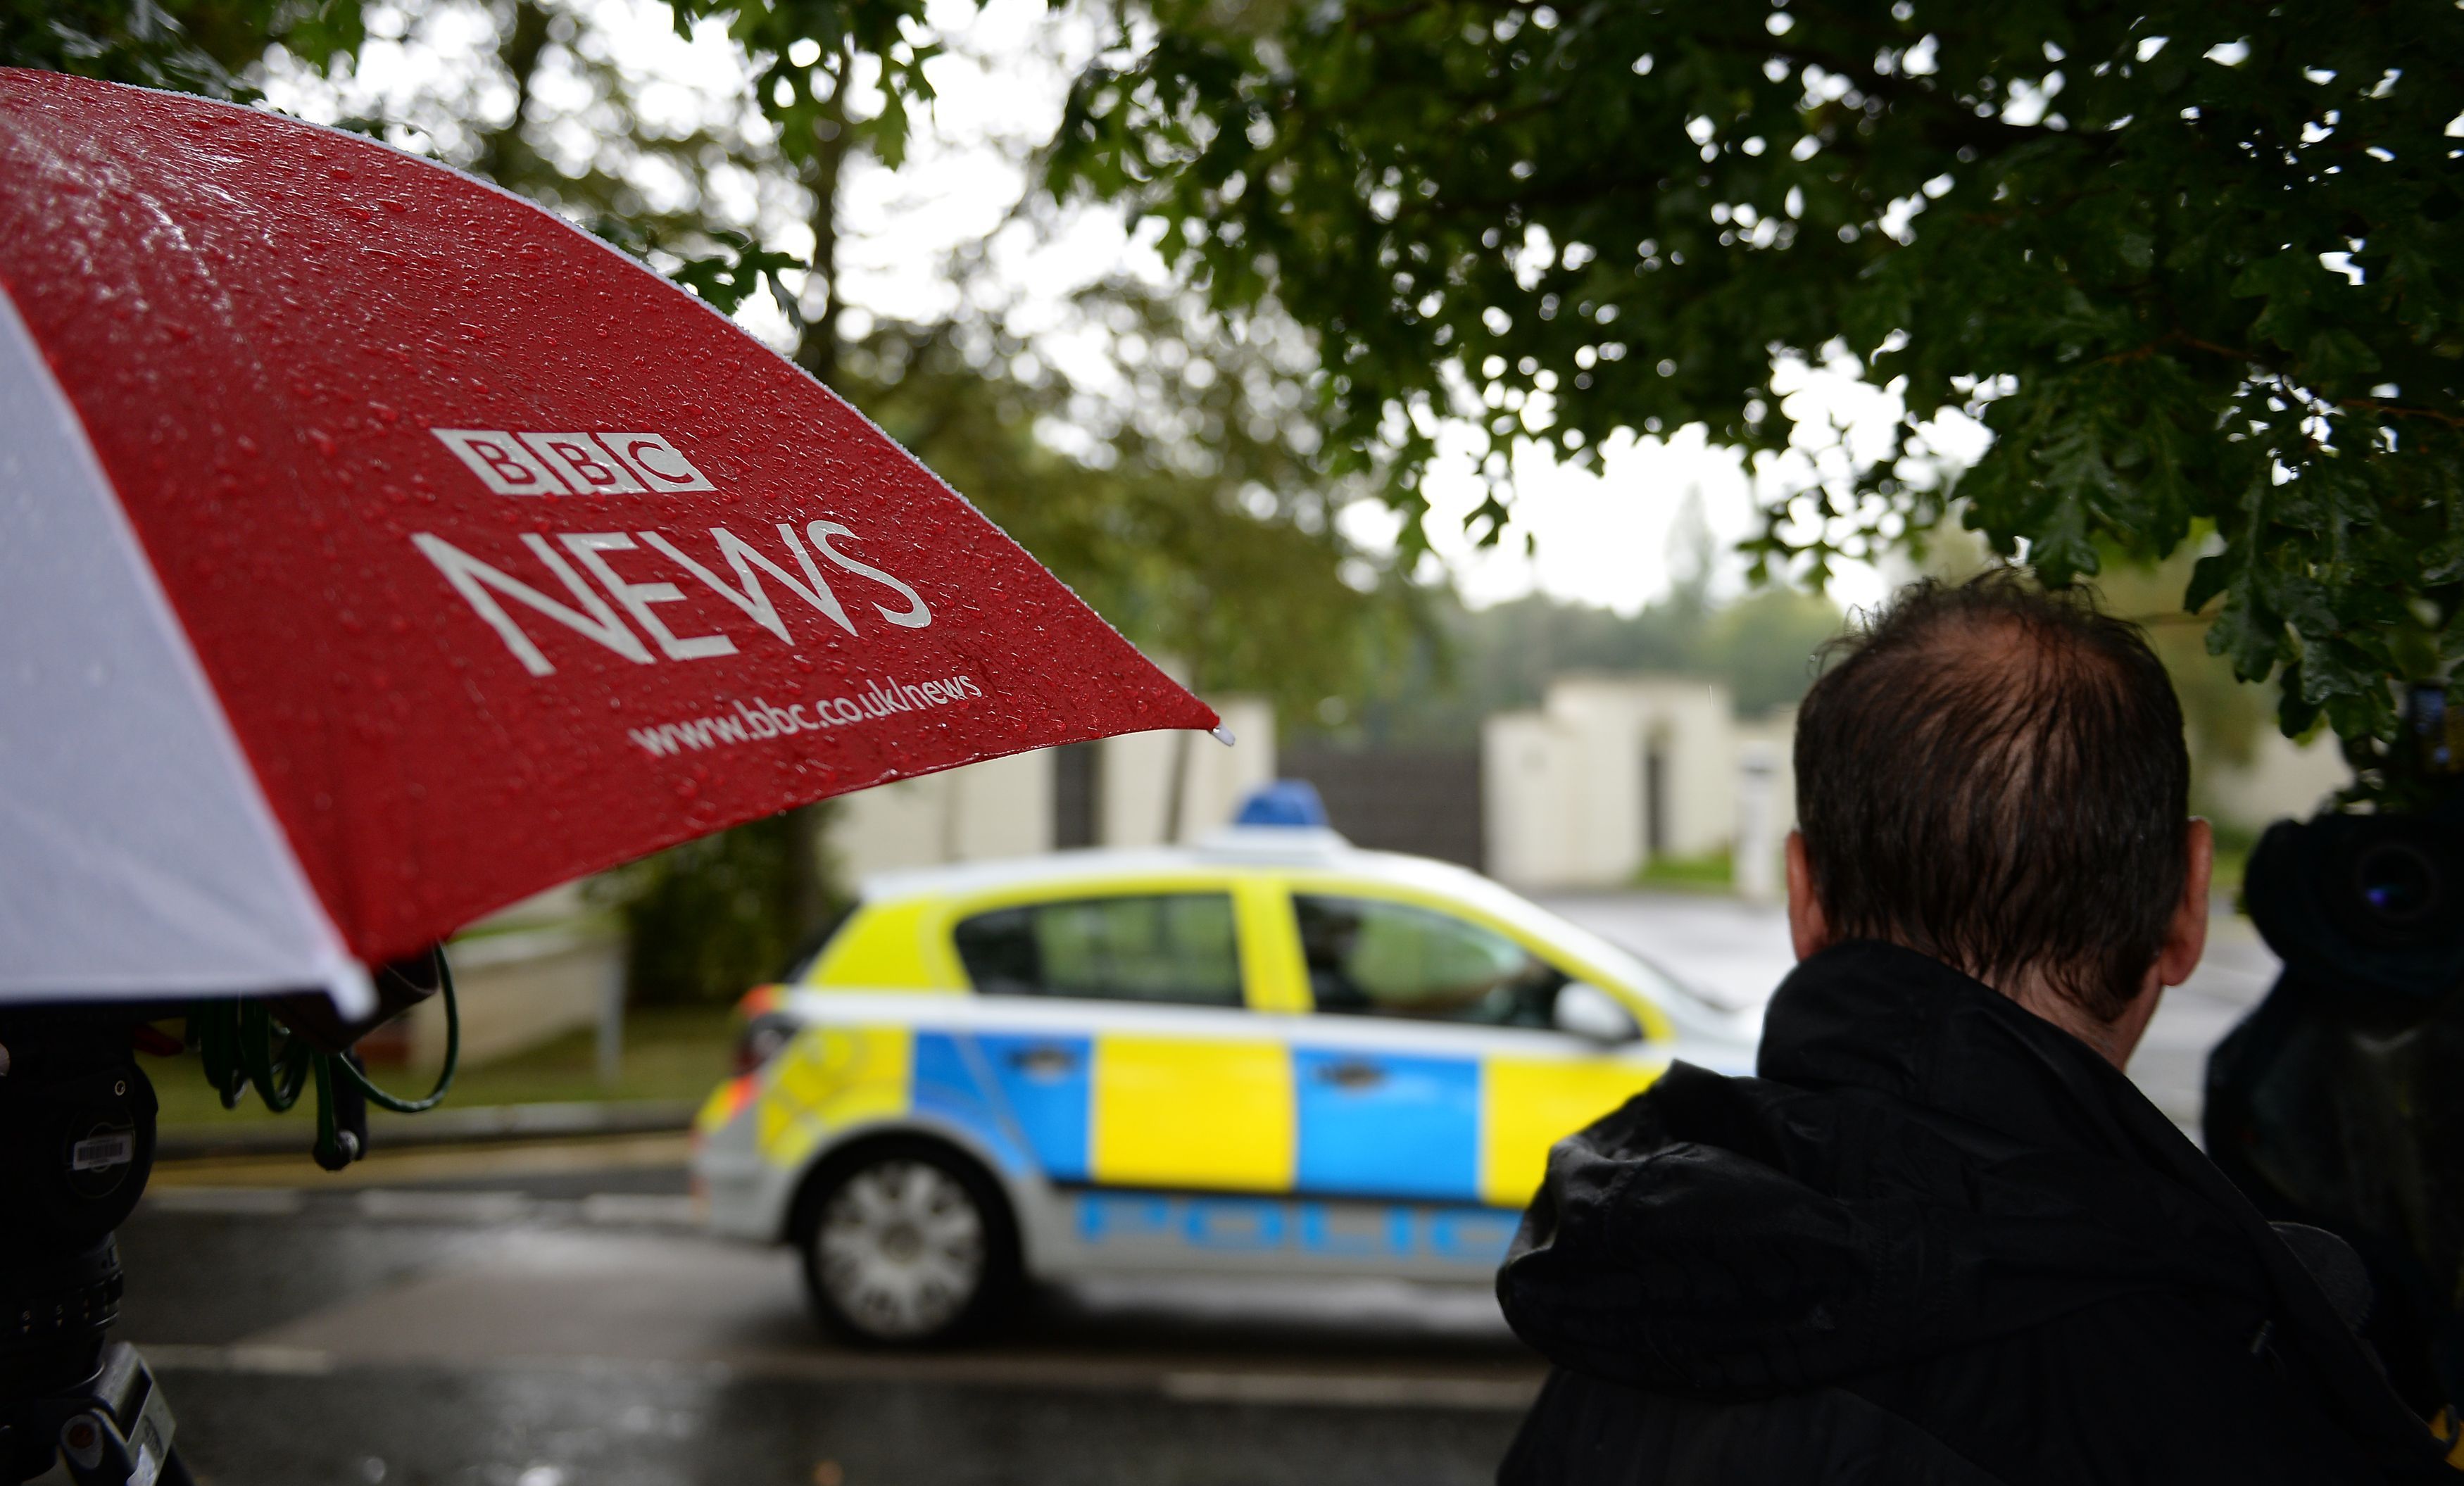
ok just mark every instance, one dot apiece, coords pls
pixel 1114 1027
pixel 1432 1068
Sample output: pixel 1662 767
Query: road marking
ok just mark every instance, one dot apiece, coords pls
pixel 635 1210
pixel 384 1167
pixel 303 1362
pixel 445 1206
pixel 1363 1391
pixel 228 1201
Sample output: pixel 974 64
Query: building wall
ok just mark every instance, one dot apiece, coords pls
pixel 1001 807
pixel 1136 777
pixel 1221 778
pixel 525 974
pixel 1766 804
pixel 1528 805
pixel 1573 801
pixel 1007 807
pixel 514 989
pixel 1133 781
pixel 2283 778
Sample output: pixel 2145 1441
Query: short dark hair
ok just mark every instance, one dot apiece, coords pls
pixel 1995 776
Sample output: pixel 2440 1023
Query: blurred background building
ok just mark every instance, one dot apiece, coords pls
pixel 1143 789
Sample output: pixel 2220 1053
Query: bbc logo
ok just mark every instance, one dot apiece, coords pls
pixel 573 464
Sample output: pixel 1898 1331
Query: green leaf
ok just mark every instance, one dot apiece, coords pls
pixel 2337 356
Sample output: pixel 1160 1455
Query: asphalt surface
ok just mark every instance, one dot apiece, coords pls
pixel 545 1314
pixel 574 1328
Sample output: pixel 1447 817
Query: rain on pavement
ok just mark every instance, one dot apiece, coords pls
pixel 547 1316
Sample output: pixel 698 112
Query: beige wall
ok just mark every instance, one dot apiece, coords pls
pixel 1565 785
pixel 526 973
pixel 517 987
pixel 1003 807
pixel 1527 806
pixel 1137 776
pixel 2283 778
pixel 1766 804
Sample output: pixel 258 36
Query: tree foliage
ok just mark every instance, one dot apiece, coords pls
pixel 708 919
pixel 189 46
pixel 1185 505
pixel 2195 262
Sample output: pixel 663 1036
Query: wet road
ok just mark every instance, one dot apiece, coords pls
pixel 577 1331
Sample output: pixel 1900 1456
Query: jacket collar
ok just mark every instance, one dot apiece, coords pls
pixel 1869 1015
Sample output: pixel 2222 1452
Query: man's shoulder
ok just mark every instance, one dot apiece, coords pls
pixel 2163 1385
pixel 1590 1432
pixel 1826 1137
pixel 2150 1390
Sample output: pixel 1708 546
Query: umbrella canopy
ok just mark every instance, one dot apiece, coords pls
pixel 376 550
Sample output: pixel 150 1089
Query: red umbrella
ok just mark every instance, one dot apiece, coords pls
pixel 376 550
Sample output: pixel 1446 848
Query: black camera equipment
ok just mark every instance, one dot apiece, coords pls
pixel 2339 1101
pixel 77 1141
pixel 76 1144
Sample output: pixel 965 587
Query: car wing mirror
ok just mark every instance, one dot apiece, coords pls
pixel 1586 1011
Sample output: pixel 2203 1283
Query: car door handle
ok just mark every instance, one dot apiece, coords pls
pixel 1351 1073
pixel 1044 1063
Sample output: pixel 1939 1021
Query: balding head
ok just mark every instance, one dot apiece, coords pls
pixel 1997 777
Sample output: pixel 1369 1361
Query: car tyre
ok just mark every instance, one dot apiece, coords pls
pixel 906 1244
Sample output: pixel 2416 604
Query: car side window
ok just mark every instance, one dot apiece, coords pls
pixel 1370 957
pixel 1172 947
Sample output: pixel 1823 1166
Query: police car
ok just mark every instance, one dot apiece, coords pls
pixel 1271 1052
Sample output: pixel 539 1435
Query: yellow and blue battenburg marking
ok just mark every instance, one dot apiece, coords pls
pixel 1197 1116
pixel 1237 1224
pixel 1388 1126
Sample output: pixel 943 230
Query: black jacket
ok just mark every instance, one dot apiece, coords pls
pixel 1938 1240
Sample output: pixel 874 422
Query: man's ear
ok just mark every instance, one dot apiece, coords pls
pixel 1808 930
pixel 2185 938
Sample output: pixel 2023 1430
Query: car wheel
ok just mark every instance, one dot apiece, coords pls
pixel 908 1246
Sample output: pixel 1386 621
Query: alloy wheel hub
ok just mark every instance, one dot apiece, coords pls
pixel 901 1249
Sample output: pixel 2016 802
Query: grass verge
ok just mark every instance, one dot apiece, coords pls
pixel 1713 873
pixel 669 1053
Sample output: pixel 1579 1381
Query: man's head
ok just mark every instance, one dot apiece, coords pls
pixel 1995 776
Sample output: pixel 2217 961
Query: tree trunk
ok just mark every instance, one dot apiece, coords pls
pixel 817 351
pixel 504 156
pixel 1175 801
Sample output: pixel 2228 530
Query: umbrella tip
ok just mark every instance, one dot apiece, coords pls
pixel 1220 735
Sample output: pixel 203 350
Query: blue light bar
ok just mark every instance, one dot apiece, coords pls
pixel 1290 803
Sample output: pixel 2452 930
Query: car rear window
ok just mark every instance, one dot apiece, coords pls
pixel 1172 947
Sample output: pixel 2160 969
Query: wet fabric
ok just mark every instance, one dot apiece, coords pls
pixel 1937 1239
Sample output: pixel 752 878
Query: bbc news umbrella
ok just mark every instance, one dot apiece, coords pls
pixel 377 550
